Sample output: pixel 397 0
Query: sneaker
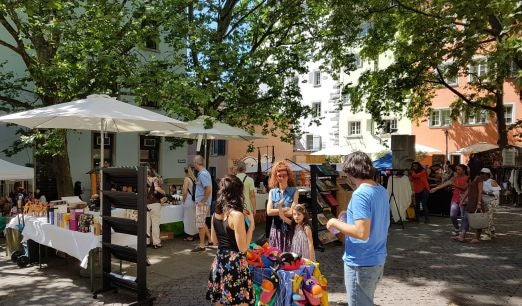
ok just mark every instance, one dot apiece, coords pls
pixel 485 237
pixel 198 249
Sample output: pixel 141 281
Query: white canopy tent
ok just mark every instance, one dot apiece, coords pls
pixel 10 171
pixel 13 172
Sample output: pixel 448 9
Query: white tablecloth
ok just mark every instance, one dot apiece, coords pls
pixel 75 244
pixel 169 213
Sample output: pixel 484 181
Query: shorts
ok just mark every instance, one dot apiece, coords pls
pixel 201 214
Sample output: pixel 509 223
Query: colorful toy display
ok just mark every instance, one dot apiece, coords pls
pixel 285 278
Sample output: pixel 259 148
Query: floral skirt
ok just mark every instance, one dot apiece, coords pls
pixel 230 280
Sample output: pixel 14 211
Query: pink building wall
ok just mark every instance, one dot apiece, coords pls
pixel 460 135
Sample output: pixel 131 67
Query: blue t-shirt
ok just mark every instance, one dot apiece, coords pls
pixel 368 202
pixel 287 196
pixel 203 180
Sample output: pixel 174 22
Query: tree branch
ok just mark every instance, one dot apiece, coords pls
pixel 7 45
pixel 193 48
pixel 15 102
pixel 15 34
pixel 412 9
pixel 224 19
pixel 238 22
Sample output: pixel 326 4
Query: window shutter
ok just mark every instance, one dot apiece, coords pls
pixel 317 142
pixel 311 78
pixel 221 147
pixel 369 126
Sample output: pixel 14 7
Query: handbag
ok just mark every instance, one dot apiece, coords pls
pixel 478 220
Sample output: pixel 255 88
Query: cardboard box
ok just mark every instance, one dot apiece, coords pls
pixel 166 235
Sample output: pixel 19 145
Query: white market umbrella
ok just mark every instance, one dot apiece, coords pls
pixel 425 149
pixel 477 148
pixel 219 130
pixel 97 113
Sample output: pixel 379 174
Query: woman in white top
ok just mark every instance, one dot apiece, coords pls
pixel 189 209
pixel 490 194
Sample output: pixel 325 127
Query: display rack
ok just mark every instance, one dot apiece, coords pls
pixel 137 178
pixel 323 204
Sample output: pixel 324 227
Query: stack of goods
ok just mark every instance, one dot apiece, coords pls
pixel 74 219
pixel 285 278
pixel 35 208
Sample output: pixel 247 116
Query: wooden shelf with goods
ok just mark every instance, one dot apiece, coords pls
pixel 323 204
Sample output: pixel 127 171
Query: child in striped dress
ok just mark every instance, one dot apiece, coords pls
pixel 302 242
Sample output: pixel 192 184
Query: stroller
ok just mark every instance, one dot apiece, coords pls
pixel 21 256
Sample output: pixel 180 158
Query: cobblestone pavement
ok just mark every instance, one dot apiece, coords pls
pixel 424 267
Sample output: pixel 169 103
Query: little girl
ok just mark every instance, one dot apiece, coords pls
pixel 302 242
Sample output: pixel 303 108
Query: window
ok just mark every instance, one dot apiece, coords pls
pixel 316 109
pixel 346 99
pixel 96 152
pixel 149 151
pixel 476 118
pixel 354 128
pixel 478 70
pixel 451 78
pixel 217 147
pixel 514 70
pixel 358 61
pixel 508 113
pixel 313 142
pixel 317 78
pixel 440 117
pixel 389 126
pixel 151 36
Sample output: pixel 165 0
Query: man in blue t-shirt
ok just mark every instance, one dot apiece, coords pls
pixel 203 201
pixel 366 231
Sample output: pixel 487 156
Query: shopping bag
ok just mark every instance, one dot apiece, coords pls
pixel 410 213
pixel 478 220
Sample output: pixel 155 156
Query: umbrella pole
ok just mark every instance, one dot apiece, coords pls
pixel 102 157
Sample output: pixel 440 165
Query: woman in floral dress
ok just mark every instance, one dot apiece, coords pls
pixel 230 281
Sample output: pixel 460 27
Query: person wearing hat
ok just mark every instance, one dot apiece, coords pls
pixel 490 195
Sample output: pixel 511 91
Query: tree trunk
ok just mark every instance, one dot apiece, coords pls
pixel 501 121
pixel 62 171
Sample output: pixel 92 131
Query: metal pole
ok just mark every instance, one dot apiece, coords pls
pixel 446 133
pixel 102 159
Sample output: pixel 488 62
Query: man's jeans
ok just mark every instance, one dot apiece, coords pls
pixel 360 284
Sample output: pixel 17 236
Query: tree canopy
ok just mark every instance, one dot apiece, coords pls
pixel 235 60
pixel 68 50
pixel 431 42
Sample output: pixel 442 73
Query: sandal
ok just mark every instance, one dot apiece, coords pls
pixel 459 239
